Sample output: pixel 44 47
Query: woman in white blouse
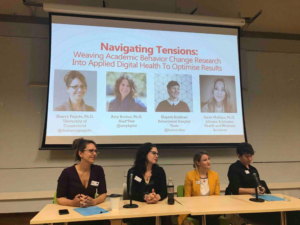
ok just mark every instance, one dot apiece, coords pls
pixel 201 182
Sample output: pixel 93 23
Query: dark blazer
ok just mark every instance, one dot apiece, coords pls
pixel 241 177
pixel 158 182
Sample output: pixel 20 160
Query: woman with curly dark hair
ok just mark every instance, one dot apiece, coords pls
pixel 125 101
pixel 149 180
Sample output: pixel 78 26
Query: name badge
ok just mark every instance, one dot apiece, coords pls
pixel 138 179
pixel 95 183
pixel 198 182
pixel 247 171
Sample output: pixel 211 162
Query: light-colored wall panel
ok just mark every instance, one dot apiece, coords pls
pixel 23 206
pixel 45 179
pixel 274 106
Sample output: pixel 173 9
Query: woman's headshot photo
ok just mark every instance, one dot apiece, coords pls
pixel 71 88
pixel 217 94
pixel 173 93
pixel 123 90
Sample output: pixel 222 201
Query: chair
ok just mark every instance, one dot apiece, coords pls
pixel 264 184
pixel 180 193
pixel 227 191
pixel 54 199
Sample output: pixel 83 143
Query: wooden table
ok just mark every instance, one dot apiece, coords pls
pixel 204 205
pixel 49 214
pixel 235 204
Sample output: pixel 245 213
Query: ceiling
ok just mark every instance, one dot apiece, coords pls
pixel 277 16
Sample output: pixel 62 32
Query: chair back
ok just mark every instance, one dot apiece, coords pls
pixel 54 199
pixel 227 191
pixel 125 193
pixel 180 191
pixel 264 184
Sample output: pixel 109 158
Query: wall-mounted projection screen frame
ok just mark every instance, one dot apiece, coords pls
pixel 122 82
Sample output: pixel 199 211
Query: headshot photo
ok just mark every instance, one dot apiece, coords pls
pixel 126 92
pixel 217 94
pixel 75 90
pixel 173 93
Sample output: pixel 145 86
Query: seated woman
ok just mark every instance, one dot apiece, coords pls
pixel 201 182
pixel 76 87
pixel 219 102
pixel 240 173
pixel 149 180
pixel 173 104
pixel 241 181
pixel 79 184
pixel 125 90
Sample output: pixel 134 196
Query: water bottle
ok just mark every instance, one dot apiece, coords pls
pixel 170 188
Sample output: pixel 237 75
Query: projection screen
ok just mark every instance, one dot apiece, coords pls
pixel 127 81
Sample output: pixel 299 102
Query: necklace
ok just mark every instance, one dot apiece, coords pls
pixel 147 176
pixel 203 179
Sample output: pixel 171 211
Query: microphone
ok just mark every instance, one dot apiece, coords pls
pixel 257 182
pixel 130 205
pixel 256 199
pixel 130 183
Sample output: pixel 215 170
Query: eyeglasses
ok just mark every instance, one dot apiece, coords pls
pixel 92 151
pixel 82 87
pixel 154 153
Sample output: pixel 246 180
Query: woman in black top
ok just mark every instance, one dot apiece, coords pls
pixel 240 173
pixel 241 181
pixel 149 180
pixel 83 184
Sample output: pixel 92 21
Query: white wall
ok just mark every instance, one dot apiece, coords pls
pixel 271 92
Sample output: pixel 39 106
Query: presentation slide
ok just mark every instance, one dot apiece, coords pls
pixel 130 82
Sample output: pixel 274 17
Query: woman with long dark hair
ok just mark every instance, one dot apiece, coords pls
pixel 83 184
pixel 149 180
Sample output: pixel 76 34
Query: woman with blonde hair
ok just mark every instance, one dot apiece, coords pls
pixel 219 101
pixel 201 182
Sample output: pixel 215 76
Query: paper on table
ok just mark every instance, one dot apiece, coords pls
pixel 93 210
pixel 270 198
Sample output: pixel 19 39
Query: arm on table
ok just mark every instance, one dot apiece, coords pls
pixel 68 202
